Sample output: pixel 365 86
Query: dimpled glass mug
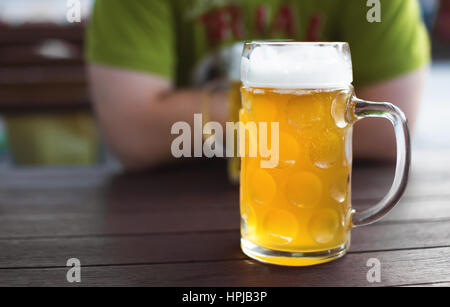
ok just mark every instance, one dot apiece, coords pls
pixel 234 104
pixel 299 212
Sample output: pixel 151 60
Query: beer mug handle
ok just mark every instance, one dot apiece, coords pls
pixel 359 109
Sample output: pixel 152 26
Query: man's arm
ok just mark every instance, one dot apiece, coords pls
pixel 137 110
pixel 374 138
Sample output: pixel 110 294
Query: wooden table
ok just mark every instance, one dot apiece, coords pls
pixel 179 226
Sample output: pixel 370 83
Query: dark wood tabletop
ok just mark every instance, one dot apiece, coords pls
pixel 179 226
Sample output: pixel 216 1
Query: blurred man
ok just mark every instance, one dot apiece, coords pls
pixel 149 58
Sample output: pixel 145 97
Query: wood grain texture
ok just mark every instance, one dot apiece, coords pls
pixel 196 246
pixel 179 226
pixel 398 268
pixel 83 203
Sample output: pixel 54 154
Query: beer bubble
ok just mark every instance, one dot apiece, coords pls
pixel 325 149
pixel 304 112
pixel 323 225
pixel 262 187
pixel 304 189
pixel 340 187
pixel 339 109
pixel 289 150
pixel 280 227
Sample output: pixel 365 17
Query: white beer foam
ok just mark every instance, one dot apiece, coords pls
pixel 297 66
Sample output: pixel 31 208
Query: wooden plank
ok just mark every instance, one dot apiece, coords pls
pixel 196 246
pixel 105 224
pixel 28 34
pixel 127 203
pixel 13 78
pixel 426 209
pixel 430 266
pixel 87 194
pixel 92 215
pixel 26 88
pixel 20 56
pixel 370 182
pixel 430 176
pixel 95 202
pixel 43 96
pixel 375 183
pixel 84 204
pixel 72 201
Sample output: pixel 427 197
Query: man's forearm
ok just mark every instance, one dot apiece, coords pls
pixel 137 123
pixel 148 129
pixel 136 112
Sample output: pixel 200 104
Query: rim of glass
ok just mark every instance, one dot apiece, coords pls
pixel 291 42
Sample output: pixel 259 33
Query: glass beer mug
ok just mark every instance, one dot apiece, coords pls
pixel 234 104
pixel 299 212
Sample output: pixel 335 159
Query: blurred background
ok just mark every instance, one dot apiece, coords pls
pixel 42 80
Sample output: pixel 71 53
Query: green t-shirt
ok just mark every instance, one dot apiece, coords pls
pixel 178 39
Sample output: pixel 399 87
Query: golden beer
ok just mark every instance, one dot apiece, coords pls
pixel 303 204
pixel 234 104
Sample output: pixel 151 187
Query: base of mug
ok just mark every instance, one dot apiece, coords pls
pixel 292 259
